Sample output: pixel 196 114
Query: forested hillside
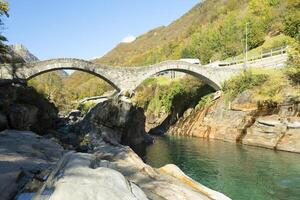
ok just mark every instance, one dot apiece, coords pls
pixel 212 30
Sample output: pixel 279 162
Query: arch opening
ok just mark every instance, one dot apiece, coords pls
pixel 34 75
pixel 199 76
pixel 67 90
pixel 165 100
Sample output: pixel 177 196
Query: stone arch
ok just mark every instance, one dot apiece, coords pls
pixel 122 78
pixel 76 69
pixel 207 75
pixel 203 78
pixel 37 68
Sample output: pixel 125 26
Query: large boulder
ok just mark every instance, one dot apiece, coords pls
pixel 117 173
pixel 176 172
pixel 115 121
pixel 3 121
pixel 27 109
pixel 157 184
pixel 22 156
pixel 275 132
pixel 79 181
pixel 290 142
pixel 22 117
pixel 290 107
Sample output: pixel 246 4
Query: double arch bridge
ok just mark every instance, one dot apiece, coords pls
pixel 127 78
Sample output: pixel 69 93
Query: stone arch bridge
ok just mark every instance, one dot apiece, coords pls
pixel 122 78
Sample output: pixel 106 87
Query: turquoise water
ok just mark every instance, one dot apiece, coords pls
pixel 240 172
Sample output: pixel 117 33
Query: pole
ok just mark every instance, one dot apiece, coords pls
pixel 246 48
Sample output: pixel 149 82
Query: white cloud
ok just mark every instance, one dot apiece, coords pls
pixel 129 39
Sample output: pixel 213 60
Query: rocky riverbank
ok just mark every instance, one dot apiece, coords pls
pixel 266 124
pixel 23 108
pixel 107 169
pixel 25 160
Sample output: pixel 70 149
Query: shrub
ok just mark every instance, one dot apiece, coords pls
pixel 205 101
pixel 162 95
pixel 293 69
pixel 242 82
pixel 292 24
pixel 85 107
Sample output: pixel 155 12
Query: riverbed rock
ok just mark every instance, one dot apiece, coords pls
pixel 244 102
pixel 176 172
pixel 3 121
pixel 78 181
pixel 74 115
pixel 22 155
pixel 116 172
pixel 290 142
pixel 264 136
pixel 115 121
pixel 215 122
pixel 22 117
pixel 265 124
pixel 290 106
pixel 274 132
pixel 156 184
pixel 154 120
pixel 26 109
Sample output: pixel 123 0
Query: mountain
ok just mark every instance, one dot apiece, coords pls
pixel 212 30
pixel 21 51
pixel 62 73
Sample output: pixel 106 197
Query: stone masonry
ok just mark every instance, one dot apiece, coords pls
pixel 129 78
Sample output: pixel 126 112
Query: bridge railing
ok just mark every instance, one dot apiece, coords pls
pixel 264 54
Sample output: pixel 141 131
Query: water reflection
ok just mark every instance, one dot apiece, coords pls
pixel 241 172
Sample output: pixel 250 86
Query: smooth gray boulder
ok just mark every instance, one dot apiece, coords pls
pixel 74 179
pixel 22 154
pixel 157 184
pixel 117 173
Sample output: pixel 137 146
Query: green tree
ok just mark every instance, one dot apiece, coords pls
pixel 51 86
pixel 292 24
pixel 293 69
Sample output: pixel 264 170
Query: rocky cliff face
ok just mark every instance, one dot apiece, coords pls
pixel 115 121
pixel 267 124
pixel 23 108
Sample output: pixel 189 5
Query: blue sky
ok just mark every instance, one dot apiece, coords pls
pixel 85 29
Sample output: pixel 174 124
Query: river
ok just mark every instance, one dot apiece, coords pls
pixel 240 172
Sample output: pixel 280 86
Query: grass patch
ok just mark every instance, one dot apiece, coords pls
pixel 270 43
pixel 265 84
pixel 205 101
pixel 293 68
pixel 85 107
pixel 242 82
